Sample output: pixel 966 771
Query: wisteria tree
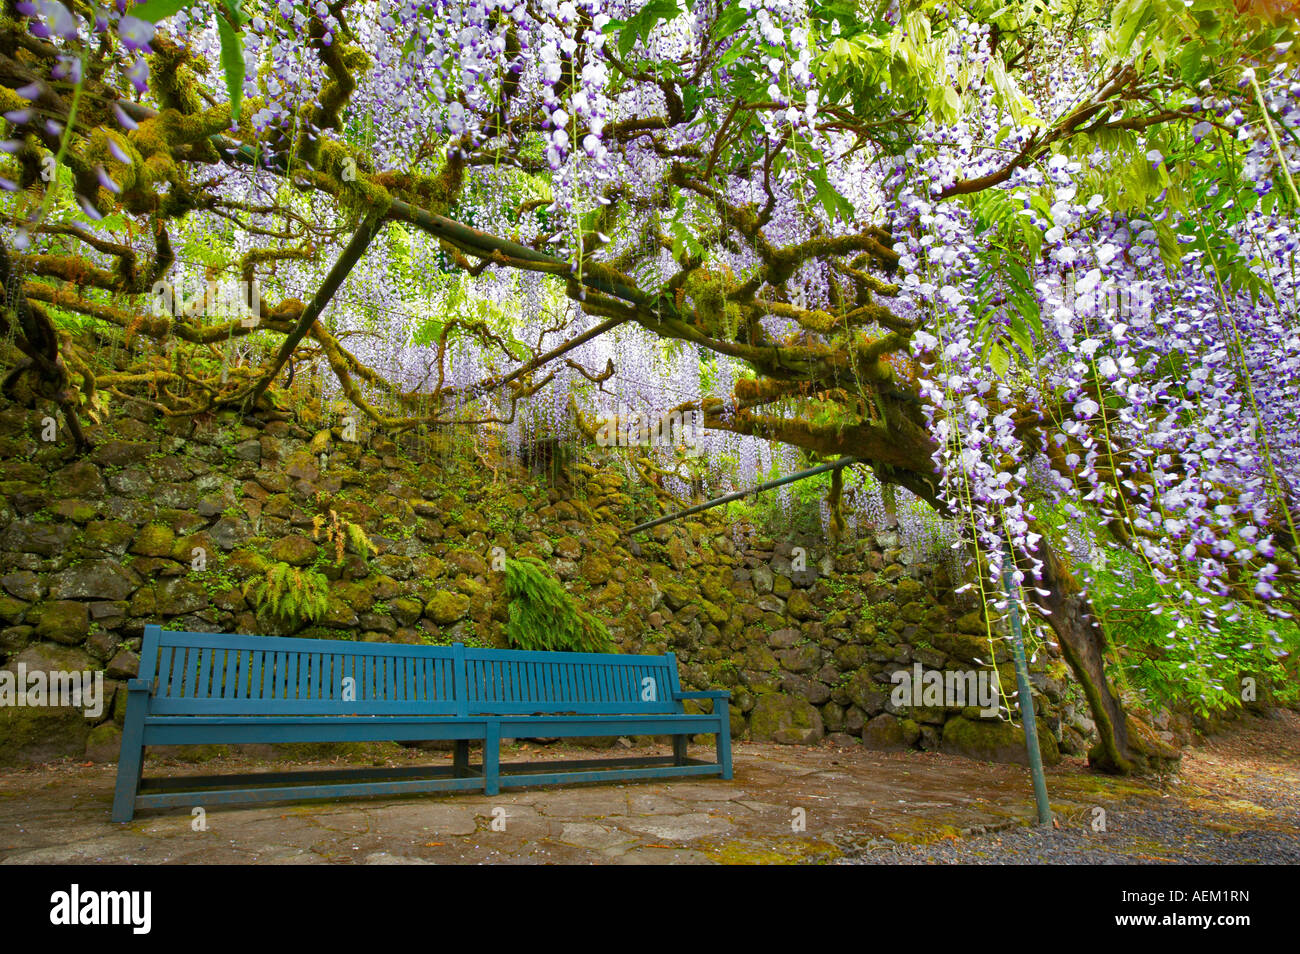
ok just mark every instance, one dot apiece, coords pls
pixel 1032 262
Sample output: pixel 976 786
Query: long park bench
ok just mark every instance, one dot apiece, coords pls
pixel 215 689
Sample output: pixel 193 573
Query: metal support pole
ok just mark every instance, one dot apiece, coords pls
pixel 1025 695
pixel 718 501
pixel 355 248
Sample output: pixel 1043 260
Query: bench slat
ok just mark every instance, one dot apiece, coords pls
pixel 204 677
pixel 171 671
pixel 232 673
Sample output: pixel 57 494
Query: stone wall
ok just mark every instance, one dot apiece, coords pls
pixel 165 522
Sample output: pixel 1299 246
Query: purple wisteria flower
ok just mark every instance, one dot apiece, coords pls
pixel 138 74
pixel 136 33
pixel 50 19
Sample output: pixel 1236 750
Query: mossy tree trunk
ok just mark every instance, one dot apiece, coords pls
pixel 1083 642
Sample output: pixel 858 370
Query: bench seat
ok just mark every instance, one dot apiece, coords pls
pixel 218 689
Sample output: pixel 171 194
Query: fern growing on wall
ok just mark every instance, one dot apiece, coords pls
pixel 543 616
pixel 289 593
pixel 340 533
pixel 360 542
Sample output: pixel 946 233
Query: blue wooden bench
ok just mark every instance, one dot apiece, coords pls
pixel 215 689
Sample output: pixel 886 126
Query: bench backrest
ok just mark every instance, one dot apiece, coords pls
pixel 516 681
pixel 219 674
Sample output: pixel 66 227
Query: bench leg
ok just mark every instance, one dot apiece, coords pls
pixel 679 750
pixel 492 759
pixel 130 761
pixel 724 736
pixel 460 761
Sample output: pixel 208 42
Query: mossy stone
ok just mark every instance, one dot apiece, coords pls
pixel 595 569
pixel 104 743
pixel 787 719
pixel 962 646
pixel 63 621
pixel 295 549
pixel 800 605
pixel 677 596
pixel 406 611
pixel 243 564
pixel 884 732
pixel 78 511
pixel 154 540
pixel 716 614
pixel 12 611
pixel 80 479
pixel 993 740
pixel 447 607
pixel 41 733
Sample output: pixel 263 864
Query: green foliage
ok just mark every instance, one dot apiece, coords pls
pixel 544 617
pixel 1010 319
pixel 799 513
pixel 799 510
pixel 1200 671
pixel 289 593
pixel 1162 658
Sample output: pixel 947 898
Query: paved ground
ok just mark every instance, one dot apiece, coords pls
pixel 786 804
pixel 1235 801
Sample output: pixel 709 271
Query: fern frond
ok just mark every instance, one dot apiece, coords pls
pixel 543 616
pixel 289 593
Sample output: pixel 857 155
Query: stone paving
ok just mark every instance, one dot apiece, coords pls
pixel 786 804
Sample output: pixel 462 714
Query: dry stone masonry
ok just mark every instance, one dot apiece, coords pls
pixel 169 521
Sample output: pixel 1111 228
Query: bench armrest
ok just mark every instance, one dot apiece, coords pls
pixel 137 685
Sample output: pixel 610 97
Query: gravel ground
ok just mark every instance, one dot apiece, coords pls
pixel 1236 801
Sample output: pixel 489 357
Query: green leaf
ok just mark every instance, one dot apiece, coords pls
pixel 1019 333
pixel 641 25
pixel 151 11
pixel 730 21
pixel 692 96
pixel 1190 64
pixel 232 60
pixel 834 203
pixel 999 359
pixel 627 38
pixel 734 52
pixel 233 13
